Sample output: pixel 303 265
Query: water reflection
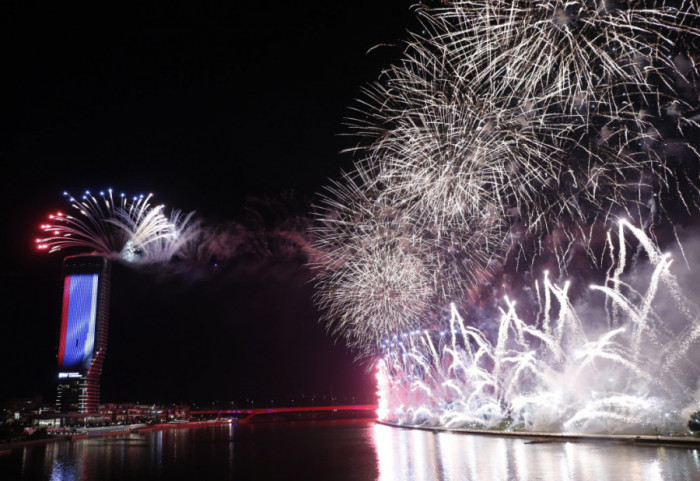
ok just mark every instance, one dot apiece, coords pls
pixel 415 455
pixel 353 450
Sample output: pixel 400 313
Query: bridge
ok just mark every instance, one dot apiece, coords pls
pixel 252 412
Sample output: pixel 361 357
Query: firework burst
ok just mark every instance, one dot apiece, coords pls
pixel 577 54
pixel 404 269
pixel 561 372
pixel 128 229
pixel 531 111
pixel 502 116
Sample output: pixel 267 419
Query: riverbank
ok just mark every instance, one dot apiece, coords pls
pixel 6 448
pixel 67 435
pixel 85 432
pixel 538 437
pixel 186 424
pixel 77 434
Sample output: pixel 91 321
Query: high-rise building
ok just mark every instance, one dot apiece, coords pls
pixel 83 338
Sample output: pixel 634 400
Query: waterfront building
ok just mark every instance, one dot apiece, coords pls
pixel 127 413
pixel 83 335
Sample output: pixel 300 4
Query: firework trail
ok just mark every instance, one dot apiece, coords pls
pixel 568 371
pixel 504 120
pixel 123 228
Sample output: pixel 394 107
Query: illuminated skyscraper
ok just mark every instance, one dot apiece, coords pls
pixel 83 339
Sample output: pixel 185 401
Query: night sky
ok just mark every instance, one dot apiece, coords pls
pixel 223 111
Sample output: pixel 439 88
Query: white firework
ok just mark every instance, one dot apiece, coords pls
pixel 503 115
pixel 128 229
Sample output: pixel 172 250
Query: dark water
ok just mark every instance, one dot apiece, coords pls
pixel 338 450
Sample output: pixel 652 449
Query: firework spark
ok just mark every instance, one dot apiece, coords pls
pixel 128 229
pixel 380 270
pixel 530 110
pixel 560 373
pixel 503 116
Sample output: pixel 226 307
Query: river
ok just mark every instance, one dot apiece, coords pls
pixel 338 450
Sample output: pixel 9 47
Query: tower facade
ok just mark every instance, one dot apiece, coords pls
pixel 83 337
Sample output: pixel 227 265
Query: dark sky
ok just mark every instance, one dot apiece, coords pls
pixel 206 109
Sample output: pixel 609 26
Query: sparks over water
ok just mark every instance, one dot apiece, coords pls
pixel 511 134
pixel 573 369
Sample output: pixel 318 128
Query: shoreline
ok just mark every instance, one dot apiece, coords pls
pixel 6 448
pixel 187 424
pixel 105 431
pixel 541 437
pixel 77 435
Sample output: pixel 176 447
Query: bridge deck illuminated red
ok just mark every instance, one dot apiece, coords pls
pixel 250 412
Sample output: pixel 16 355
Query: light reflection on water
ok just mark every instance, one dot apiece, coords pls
pixel 339 450
pixel 415 455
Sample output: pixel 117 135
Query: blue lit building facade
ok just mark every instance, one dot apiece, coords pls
pixel 83 336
